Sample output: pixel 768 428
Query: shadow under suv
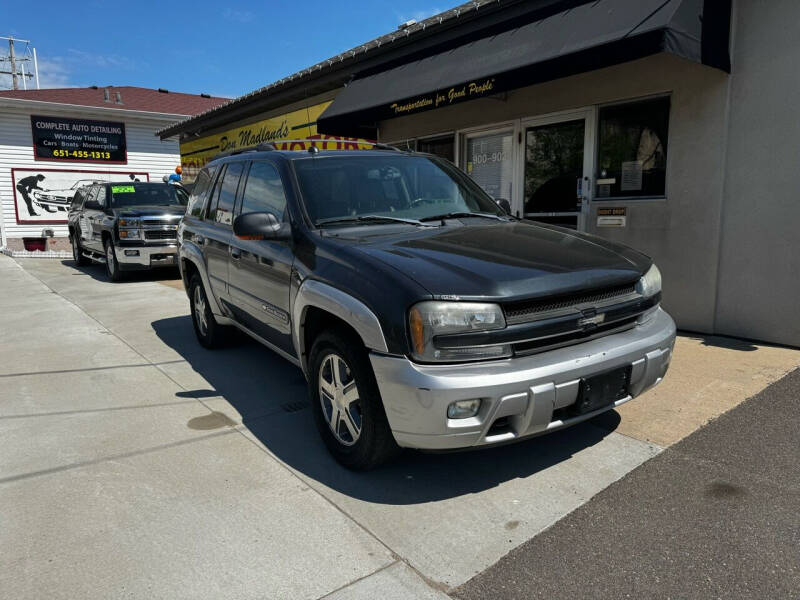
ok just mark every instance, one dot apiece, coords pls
pixel 421 313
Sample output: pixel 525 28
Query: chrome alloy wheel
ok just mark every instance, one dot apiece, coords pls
pixel 338 395
pixel 200 310
pixel 110 258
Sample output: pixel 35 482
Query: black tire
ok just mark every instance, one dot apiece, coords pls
pixel 374 443
pixel 77 256
pixel 112 266
pixel 209 333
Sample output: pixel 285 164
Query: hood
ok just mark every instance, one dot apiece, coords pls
pixel 507 261
pixel 149 211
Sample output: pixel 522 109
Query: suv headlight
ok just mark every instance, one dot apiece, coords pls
pixel 429 319
pixel 650 283
pixel 648 286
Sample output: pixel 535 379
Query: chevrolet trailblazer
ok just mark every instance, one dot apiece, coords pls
pixel 422 314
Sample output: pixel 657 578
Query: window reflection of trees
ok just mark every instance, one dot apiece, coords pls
pixel 635 132
pixel 553 164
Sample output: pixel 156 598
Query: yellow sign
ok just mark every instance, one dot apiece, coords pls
pixel 297 125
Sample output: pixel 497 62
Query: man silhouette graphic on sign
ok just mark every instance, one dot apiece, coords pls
pixel 25 186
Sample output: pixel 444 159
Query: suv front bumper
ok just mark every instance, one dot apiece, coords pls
pixel 132 258
pixel 524 391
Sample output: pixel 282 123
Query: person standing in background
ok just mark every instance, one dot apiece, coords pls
pixel 176 176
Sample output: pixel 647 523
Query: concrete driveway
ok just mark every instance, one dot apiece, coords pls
pixel 137 464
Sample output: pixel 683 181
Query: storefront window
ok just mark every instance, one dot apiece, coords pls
pixel 554 171
pixel 632 150
pixel 489 162
pixel 443 147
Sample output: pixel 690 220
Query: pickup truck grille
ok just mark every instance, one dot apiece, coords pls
pixel 156 222
pixel 526 311
pixel 161 234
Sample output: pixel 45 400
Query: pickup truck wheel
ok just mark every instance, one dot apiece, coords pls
pixel 346 402
pixel 77 253
pixel 209 333
pixel 112 266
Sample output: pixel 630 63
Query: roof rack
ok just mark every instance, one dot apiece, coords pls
pixel 273 145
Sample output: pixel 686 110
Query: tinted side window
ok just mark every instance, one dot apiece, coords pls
pixel 101 196
pixel 197 201
pixel 223 213
pixel 91 195
pixel 263 191
pixel 77 199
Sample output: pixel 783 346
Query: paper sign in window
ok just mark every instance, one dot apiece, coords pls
pixel 631 176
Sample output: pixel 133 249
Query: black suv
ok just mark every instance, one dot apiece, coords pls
pixel 127 226
pixel 422 314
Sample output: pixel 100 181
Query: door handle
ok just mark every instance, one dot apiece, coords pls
pixel 236 253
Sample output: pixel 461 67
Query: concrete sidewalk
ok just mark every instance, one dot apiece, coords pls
pixel 137 463
pixel 715 516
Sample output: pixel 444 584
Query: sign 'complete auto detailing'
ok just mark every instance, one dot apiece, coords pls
pixel 78 140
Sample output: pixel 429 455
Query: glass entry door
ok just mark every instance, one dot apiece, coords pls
pixel 556 180
pixel 489 161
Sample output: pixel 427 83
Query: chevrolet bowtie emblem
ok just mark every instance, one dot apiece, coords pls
pixel 592 320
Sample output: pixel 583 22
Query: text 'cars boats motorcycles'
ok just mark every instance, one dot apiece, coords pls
pixel 422 314
pixel 130 225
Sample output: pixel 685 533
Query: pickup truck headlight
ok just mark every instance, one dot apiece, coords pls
pixel 129 229
pixel 650 283
pixel 429 319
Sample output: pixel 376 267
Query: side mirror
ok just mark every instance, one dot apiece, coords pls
pixel 92 205
pixel 260 226
pixel 504 204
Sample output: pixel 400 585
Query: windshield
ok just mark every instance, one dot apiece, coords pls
pixel 391 185
pixel 147 194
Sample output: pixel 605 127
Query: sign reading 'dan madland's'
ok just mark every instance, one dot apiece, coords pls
pixel 453 95
pixel 78 140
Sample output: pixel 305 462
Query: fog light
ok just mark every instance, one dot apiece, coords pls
pixel 131 253
pixel 463 409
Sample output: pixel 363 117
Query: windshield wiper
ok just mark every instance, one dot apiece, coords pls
pixel 366 218
pixel 458 215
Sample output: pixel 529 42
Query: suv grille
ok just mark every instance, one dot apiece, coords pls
pixel 531 310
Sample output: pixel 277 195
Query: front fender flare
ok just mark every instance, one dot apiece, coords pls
pixel 340 304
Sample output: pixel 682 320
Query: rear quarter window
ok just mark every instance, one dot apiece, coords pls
pixel 200 193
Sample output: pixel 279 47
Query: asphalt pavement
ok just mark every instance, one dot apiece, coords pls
pixel 717 515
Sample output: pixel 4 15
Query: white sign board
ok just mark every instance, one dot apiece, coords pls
pixel 631 176
pixel 44 195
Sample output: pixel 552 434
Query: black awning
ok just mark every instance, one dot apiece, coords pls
pixel 590 36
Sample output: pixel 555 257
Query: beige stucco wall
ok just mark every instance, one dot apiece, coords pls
pixel 759 277
pixel 681 232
